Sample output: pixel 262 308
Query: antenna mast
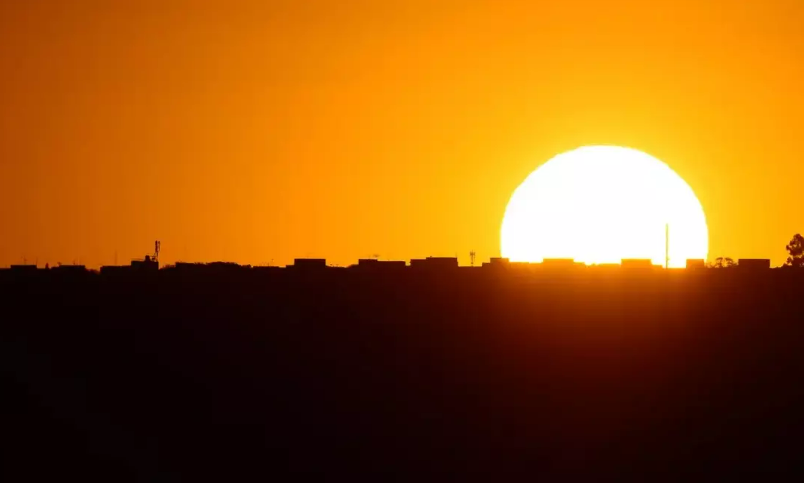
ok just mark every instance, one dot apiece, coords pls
pixel 472 257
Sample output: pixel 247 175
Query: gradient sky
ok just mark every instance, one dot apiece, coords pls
pixel 258 131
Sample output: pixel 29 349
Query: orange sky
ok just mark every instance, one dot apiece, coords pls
pixel 258 131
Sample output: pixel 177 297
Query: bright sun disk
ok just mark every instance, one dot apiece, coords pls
pixel 601 204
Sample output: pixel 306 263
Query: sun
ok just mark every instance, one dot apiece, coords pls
pixel 600 204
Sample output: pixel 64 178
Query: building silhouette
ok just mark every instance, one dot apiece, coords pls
pixel 695 264
pixel 435 263
pixel 753 264
pixel 309 263
pixel 637 263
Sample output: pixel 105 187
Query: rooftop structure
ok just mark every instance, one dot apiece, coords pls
pixel 497 262
pixel 374 264
pixel 637 263
pixel 560 263
pixel 695 263
pixel 435 263
pixel 23 268
pixel 146 264
pixel 753 264
pixel 307 263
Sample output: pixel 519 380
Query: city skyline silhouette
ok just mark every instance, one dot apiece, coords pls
pixel 250 131
pixel 401 240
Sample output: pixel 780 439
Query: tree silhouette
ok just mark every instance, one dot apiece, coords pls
pixel 723 262
pixel 796 250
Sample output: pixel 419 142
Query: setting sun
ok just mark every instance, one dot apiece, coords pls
pixel 601 204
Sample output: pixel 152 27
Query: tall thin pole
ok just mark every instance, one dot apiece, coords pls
pixel 666 246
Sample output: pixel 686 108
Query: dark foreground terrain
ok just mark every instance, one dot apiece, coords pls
pixel 235 375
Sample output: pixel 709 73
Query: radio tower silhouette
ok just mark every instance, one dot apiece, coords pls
pixel 472 257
